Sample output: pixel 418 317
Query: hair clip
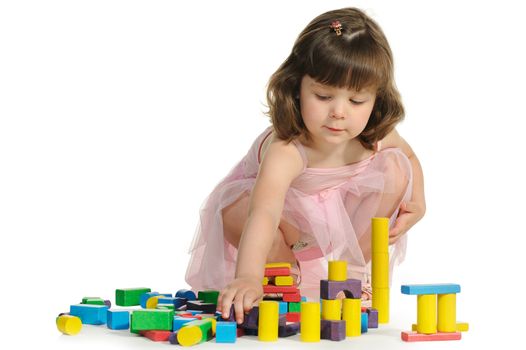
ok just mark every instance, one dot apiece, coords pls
pixel 337 27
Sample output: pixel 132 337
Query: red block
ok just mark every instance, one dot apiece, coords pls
pixel 277 271
pixel 156 335
pixel 293 316
pixel 280 289
pixel 292 297
pixel 414 336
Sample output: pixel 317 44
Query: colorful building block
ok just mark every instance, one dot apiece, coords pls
pixel 414 336
pixel 129 296
pixel 268 320
pixel 331 309
pixel 333 330
pixel 208 296
pixel 294 307
pixel 179 321
pixel 226 332
pixel 186 293
pixel 438 288
pixel 90 314
pixel 283 281
pixel 373 317
pixel 337 270
pixel 278 265
pixel 293 316
pixel 283 307
pixel 426 321
pixel 310 326
pixel 277 271
pixel 152 319
pixel 447 312
pixel 292 297
pixel 199 305
pixel 154 335
pixel 288 329
pixel 118 319
pixel 68 324
pixel 352 316
pixel 380 267
pixel 365 322
pixel 351 287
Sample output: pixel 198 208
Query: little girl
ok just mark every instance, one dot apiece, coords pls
pixel 308 187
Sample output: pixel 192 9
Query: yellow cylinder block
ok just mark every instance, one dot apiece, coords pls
pixel 380 235
pixel 447 312
pixel 331 309
pixel 189 335
pixel 68 324
pixel 337 270
pixel 352 314
pixel 310 322
pixel 380 270
pixel 381 303
pixel 426 313
pixel 268 320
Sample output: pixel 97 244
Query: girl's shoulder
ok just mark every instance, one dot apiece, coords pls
pixel 288 150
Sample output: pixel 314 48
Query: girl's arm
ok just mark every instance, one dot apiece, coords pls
pixel 410 212
pixel 280 165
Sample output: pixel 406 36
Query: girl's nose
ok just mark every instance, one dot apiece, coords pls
pixel 338 110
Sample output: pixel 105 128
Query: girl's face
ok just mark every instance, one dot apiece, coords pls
pixel 334 115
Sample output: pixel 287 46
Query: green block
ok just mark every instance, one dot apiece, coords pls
pixel 93 301
pixel 132 329
pixel 152 319
pixel 165 307
pixel 208 296
pixel 294 307
pixel 129 296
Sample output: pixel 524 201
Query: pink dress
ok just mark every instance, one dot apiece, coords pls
pixel 331 207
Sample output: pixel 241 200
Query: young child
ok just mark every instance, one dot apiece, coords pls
pixel 308 187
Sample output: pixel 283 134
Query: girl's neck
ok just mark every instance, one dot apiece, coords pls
pixel 332 155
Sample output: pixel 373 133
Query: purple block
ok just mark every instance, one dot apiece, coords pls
pixel 332 330
pixel 251 320
pixel 329 289
pixel 173 338
pixel 288 330
pixel 282 320
pixel 373 317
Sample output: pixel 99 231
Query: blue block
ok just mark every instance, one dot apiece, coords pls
pixel 186 293
pixel 144 297
pixel 365 322
pixel 118 319
pixel 419 289
pixel 304 299
pixel 166 300
pixel 226 332
pixel 178 302
pixel 90 314
pixel 283 307
pixel 180 321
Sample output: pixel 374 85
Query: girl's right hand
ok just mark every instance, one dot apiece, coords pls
pixel 243 292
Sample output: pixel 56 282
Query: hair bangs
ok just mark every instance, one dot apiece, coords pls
pixel 350 63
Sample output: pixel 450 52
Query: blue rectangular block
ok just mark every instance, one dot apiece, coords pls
pixel 283 307
pixel 226 332
pixel 441 288
pixel 89 314
pixel 118 319
pixel 178 322
pixel 365 322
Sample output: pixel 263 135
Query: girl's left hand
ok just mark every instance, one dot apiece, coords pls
pixel 410 213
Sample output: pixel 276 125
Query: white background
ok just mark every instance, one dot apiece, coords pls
pixel 117 118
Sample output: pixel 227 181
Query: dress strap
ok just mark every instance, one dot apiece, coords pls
pixel 303 154
pixel 377 146
pixel 262 142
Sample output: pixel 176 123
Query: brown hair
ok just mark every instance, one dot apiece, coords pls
pixel 358 58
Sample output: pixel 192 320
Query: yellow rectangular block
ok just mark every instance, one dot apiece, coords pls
pixel 265 281
pixel 268 320
pixel 447 313
pixel 283 281
pixel 271 265
pixel 426 313
pixel 381 303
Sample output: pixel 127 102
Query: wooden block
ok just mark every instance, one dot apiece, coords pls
pixel 292 297
pixel 268 320
pixel 352 289
pixel 441 288
pixel 251 320
pixel 90 314
pixel 265 281
pixel 293 316
pixel 156 335
pixel 199 305
pixel 310 326
pixel 373 317
pixel 207 326
pixel 68 324
pixel 152 319
pixel 288 330
pixel 331 309
pixel 352 316
pixel 337 270
pixel 118 319
pixel 188 336
pixel 294 307
pixel 414 336
pixel 365 322
pixel 277 271
pixel 179 321
pixel 333 330
pixel 462 327
pixel 277 265
pixel 226 332
pixel 129 296
pixel 208 296
pixel 280 289
pixel 93 301
pixel 283 281
pixel 186 293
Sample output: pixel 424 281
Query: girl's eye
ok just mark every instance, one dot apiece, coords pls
pixel 322 98
pixel 356 102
